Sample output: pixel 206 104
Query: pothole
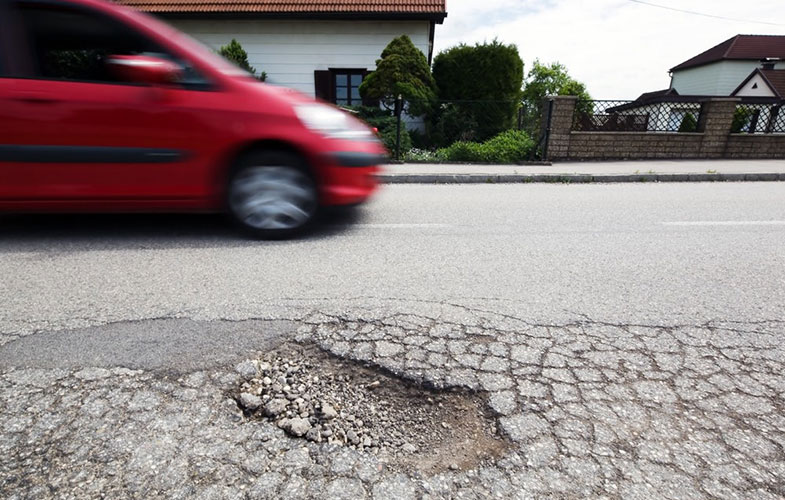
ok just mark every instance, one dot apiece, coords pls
pixel 317 397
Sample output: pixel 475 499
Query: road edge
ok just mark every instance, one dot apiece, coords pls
pixel 573 178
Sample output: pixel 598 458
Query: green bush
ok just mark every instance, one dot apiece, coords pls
pixel 462 151
pixel 453 123
pixel 419 139
pixel 385 123
pixel 389 137
pixel 508 147
pixel 688 123
pixel 741 120
pixel 511 146
pixel 484 81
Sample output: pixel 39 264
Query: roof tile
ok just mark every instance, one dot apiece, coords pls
pixel 776 78
pixel 290 6
pixel 751 47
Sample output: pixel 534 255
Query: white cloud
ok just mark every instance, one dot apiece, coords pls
pixel 618 48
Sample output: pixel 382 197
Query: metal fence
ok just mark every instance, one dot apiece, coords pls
pixel 633 116
pixel 758 119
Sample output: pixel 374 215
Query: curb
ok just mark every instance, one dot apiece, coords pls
pixel 571 178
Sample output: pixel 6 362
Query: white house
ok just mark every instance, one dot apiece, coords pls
pixel 323 48
pixel 719 70
pixel 748 66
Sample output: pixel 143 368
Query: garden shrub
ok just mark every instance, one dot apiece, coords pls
pixel 484 82
pixel 688 123
pixel 741 120
pixel 451 123
pixel 389 136
pixel 510 146
pixel 385 123
pixel 462 151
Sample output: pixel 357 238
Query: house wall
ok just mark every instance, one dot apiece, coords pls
pixel 290 51
pixel 713 139
pixel 719 78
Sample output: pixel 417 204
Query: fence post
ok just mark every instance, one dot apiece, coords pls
pixel 547 134
pixel 398 113
pixel 773 112
pixel 716 119
pixel 754 121
pixel 560 125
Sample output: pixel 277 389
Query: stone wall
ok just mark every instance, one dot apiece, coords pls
pixel 748 146
pixel 713 139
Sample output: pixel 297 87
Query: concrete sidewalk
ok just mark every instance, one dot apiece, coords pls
pixel 617 171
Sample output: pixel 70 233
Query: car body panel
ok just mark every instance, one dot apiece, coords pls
pixel 77 145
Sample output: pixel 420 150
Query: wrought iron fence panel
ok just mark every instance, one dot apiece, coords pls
pixel 777 124
pixel 633 116
pixel 753 118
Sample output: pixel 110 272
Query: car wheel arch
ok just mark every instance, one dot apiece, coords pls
pixel 261 145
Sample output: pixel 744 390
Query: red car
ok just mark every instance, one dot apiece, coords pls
pixel 103 108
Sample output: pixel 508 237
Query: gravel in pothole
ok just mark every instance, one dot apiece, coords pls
pixel 317 397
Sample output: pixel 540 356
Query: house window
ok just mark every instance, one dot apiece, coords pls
pixel 347 87
pixel 340 86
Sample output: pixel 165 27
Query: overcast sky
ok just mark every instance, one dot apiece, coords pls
pixel 618 48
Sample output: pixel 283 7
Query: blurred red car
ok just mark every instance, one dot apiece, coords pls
pixel 103 108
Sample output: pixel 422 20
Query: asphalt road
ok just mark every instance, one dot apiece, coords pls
pixel 626 340
pixel 649 254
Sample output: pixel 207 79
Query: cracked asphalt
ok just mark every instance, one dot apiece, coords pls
pixel 622 355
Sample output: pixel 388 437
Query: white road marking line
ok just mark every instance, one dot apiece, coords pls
pixel 726 223
pixel 401 226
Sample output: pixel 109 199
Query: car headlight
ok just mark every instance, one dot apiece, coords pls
pixel 332 123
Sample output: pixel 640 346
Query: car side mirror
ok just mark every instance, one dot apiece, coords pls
pixel 144 69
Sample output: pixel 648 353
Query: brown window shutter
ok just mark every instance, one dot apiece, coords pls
pixel 323 85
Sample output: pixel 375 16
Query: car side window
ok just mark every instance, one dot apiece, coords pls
pixel 74 43
pixel 4 39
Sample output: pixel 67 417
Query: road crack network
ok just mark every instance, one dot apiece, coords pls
pixel 592 409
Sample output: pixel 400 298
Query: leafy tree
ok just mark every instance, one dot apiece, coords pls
pixel 544 80
pixel 235 53
pixel 484 83
pixel 402 70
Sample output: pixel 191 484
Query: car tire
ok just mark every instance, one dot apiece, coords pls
pixel 271 195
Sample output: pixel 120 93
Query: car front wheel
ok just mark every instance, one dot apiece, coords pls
pixel 271 195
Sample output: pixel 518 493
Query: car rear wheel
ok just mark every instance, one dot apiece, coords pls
pixel 271 195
